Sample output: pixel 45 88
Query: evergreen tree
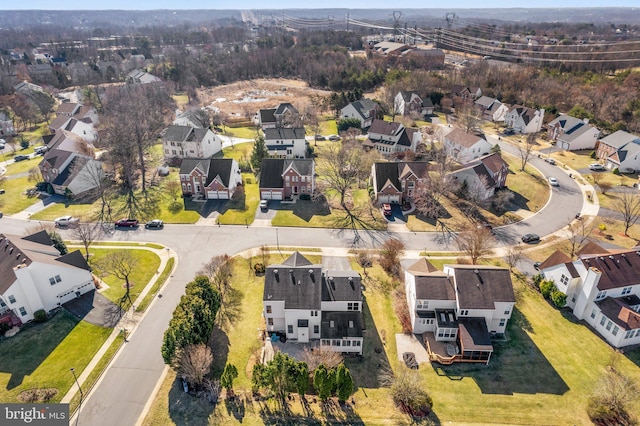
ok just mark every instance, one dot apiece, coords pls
pixel 58 243
pixel 322 382
pixel 344 383
pixel 228 375
pixel 259 152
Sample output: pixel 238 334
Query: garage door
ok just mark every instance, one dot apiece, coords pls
pixel 212 195
pixel 270 195
pixel 389 199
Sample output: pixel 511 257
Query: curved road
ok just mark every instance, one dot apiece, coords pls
pixel 120 396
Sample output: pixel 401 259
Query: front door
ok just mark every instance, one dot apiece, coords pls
pixel 303 334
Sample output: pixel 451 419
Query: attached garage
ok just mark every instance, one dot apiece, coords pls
pixel 217 195
pixel 270 195
pixel 390 199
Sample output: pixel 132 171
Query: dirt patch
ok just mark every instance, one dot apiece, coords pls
pixel 37 395
pixel 245 98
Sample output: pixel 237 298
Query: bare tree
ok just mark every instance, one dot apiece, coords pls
pixel 604 187
pixel 312 118
pixel 219 270
pixel 321 355
pixel 501 199
pixel 201 117
pixel 174 189
pixel 193 363
pixel 44 103
pixel 35 175
pixel 628 203
pixel 525 149
pixel 389 256
pixel 596 178
pixel 475 241
pixel 86 233
pixel 469 117
pixel 514 255
pixel 120 264
pixel 579 233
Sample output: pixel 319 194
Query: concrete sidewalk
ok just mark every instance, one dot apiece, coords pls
pixel 128 322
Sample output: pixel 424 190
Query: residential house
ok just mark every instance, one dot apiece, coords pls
pixel 491 108
pixel 286 142
pixel 69 165
pixel 36 276
pixel 305 303
pixel 6 125
pixel 284 115
pixel 463 306
pixel 365 110
pixel 281 178
pixel 26 88
pixel 210 178
pixel 391 138
pixel 408 103
pixel 572 133
pixel 461 95
pixel 482 176
pixel 76 118
pixel 179 142
pixel 397 182
pixel 190 117
pixel 138 76
pixel 523 119
pixel 464 147
pixel 620 149
pixel 602 288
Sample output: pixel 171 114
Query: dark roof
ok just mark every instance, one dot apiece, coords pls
pixel 386 172
pixel 271 173
pixel 363 106
pixel 284 107
pixel 591 248
pixel 385 127
pixel 67 108
pixel 341 286
pixel 617 269
pixel 266 115
pixel 56 157
pixel 71 171
pixel 297 282
pixel 304 166
pixel 177 133
pixel 479 287
pixel 75 258
pixel 211 167
pixel 556 258
pixel 435 286
pixel 474 335
pixel 341 325
pixel 40 237
pixel 618 311
pixel 284 133
pixel 494 162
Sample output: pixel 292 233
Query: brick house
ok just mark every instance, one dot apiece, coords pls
pixel 396 182
pixel 281 179
pixel 210 179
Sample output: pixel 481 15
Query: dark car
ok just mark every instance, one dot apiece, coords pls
pixel 320 138
pixel 126 223
pixel 154 224
pixel 530 238
pixel 386 209
pixel 409 359
pixel 334 138
pixel 537 266
pixel 20 158
pixel 509 131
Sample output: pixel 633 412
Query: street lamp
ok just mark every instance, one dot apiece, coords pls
pixel 73 371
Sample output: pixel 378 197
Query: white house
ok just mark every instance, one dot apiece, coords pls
pixel 492 109
pixel 464 305
pixel 465 147
pixel 602 288
pixel 523 119
pixel 35 276
pixel 482 176
pixel 139 76
pixel 286 142
pixel 572 133
pixel 189 142
pixel 6 125
pixel 390 138
pixel 364 110
pixel 406 103
pixel 303 303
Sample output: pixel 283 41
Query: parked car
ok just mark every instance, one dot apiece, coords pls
pixel 550 161
pixel 553 181
pixel 596 167
pixel 154 224
pixel 320 138
pixel 2 143
pixel 65 221
pixel 537 266
pixel 509 131
pixel 20 158
pixel 409 359
pixel 334 138
pixel 386 209
pixel 40 150
pixel 264 205
pixel 530 238
pixel 126 223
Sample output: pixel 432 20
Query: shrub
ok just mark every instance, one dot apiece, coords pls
pixel 40 316
pixel 559 298
pixel 593 155
pixel 616 171
pixel 4 327
pixel 537 279
pixel 305 197
pixel 546 288
pixel 24 144
pixel 602 227
pixel 259 268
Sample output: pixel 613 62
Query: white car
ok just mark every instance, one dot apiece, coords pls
pixel 66 221
pixel 553 181
pixel 596 167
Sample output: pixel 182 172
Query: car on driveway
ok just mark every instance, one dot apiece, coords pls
pixel 550 160
pixel 334 138
pixel 409 359
pixel 154 224
pixel 553 181
pixel 264 205
pixel 126 223
pixel 536 265
pixel 509 131
pixel 320 138
pixel 530 238
pixel 596 167
pixel 386 209
pixel 64 221
pixel 20 158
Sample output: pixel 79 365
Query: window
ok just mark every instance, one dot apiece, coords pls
pixel 564 279
pixel 593 314
pixel 357 343
pixel 270 321
pixel 346 343
pixel 602 321
pixel 601 295
pixel 314 313
pixel 638 333
pixel 23 311
pixel 609 324
pixel 289 329
pixel 12 299
pixel 268 308
pixel 58 279
pixel 615 330
pixel 353 306
pixel 502 322
pixel 573 298
pixel 422 304
pixel 628 334
pixel 326 342
pixel 626 290
pixel 464 312
pixel 2 304
pixel 331 324
pixel 52 281
pixel 316 329
pixel 507 311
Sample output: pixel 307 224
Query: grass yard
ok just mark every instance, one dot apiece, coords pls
pixel 23 166
pixel 40 356
pixel 146 266
pixel 181 99
pixel 239 151
pixel 14 200
pixel 329 127
pixel 241 132
pixel 242 211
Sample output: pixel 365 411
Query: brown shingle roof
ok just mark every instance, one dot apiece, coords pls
pixel 619 312
pixel 617 269
pixel 591 248
pixel 556 258
pixel 422 267
pixel 462 138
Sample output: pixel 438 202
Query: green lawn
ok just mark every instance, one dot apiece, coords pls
pixel 22 166
pixel 41 356
pixel 531 187
pixel 14 200
pixel 242 211
pixel 241 132
pixel 181 99
pixel 239 151
pixel 147 263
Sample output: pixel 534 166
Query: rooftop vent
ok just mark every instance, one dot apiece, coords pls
pixel 476 271
pixel 611 257
pixel 275 271
pixel 290 271
pixel 310 271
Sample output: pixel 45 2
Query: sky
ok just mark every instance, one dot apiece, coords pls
pixel 295 4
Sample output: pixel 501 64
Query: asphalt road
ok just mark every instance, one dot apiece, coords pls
pixel 127 385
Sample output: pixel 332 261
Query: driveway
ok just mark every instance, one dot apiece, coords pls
pixel 96 309
pixel 396 215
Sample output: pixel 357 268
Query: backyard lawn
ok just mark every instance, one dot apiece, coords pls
pixel 40 356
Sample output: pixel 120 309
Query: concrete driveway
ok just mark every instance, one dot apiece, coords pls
pixel 95 309
pixel 410 343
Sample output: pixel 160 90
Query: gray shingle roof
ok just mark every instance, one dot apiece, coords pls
pixel 479 287
pixel 284 133
pixel 297 282
pixel 211 167
pixel 341 286
pixel 341 325
pixel 620 138
pixel 176 133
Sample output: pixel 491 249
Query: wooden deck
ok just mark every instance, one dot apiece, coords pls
pixel 442 353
